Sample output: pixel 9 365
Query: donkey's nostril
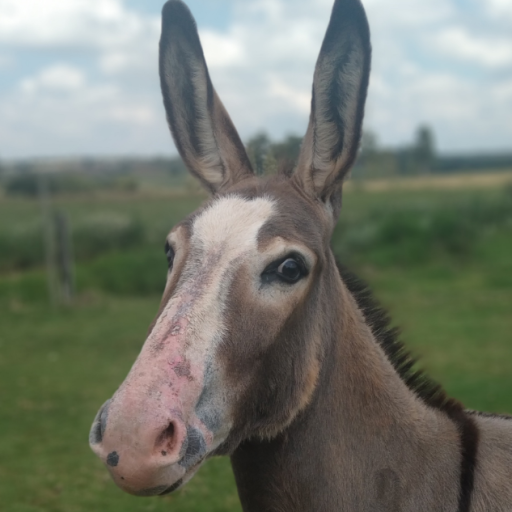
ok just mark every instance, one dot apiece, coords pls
pixel 95 436
pixel 104 417
pixel 167 439
pixel 100 424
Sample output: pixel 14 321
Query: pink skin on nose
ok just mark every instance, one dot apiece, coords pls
pixel 152 414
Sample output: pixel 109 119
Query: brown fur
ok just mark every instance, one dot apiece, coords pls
pixel 322 409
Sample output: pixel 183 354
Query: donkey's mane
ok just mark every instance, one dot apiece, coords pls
pixel 388 338
pixel 425 388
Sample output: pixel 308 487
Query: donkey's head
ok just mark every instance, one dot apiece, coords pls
pixel 235 351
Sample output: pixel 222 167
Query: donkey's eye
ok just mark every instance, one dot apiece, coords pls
pixel 289 270
pixel 169 252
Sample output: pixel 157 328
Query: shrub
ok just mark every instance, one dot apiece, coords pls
pixel 416 235
pixel 22 184
pixel 132 273
pixel 21 247
pixel 26 287
pixel 27 183
pixel 103 233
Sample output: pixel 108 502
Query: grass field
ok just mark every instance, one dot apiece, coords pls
pixel 477 181
pixel 452 300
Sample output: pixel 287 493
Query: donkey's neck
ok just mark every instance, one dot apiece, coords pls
pixel 365 442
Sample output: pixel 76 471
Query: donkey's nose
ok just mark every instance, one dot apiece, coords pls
pixel 148 444
pixel 141 456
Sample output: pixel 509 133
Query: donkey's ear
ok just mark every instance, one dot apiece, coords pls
pixel 203 132
pixel 337 108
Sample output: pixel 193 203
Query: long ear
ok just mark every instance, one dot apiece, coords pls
pixel 337 108
pixel 203 132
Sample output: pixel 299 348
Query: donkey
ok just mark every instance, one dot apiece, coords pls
pixel 264 349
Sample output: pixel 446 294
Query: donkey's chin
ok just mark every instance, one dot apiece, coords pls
pixel 169 480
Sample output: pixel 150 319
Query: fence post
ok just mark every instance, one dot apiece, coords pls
pixel 49 246
pixel 64 257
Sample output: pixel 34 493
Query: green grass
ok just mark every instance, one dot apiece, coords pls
pixel 159 212
pixel 58 367
pixel 460 325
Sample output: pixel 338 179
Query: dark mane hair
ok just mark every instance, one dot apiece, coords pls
pixel 388 337
pixel 432 394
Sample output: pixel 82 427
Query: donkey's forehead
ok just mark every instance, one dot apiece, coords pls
pixel 232 222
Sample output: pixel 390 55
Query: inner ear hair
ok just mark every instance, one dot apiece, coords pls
pixel 202 129
pixel 337 109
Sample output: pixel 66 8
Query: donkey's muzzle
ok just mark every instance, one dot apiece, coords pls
pixel 147 458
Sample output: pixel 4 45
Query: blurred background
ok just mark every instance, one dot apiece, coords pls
pixel 90 184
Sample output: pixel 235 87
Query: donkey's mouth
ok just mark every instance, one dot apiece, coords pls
pixel 163 490
pixel 190 473
pixel 173 487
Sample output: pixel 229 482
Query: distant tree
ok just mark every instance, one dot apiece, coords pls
pixel 176 166
pixel 267 156
pixel 406 161
pixel 88 164
pixel 287 152
pixel 368 156
pixel 23 184
pixel 369 144
pixel 258 148
pixel 424 149
pixel 374 161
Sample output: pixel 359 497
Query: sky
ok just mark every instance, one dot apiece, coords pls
pixel 80 77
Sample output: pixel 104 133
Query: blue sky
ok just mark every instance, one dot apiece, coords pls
pixel 79 77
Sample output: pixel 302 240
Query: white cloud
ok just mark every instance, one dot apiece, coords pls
pixel 71 23
pixel 221 50
pixel 458 43
pixel 59 77
pixel 98 116
pixel 277 69
pixel 271 87
pixel 434 61
pixel 68 108
pixel 62 111
pixel 503 91
pixel 407 14
pixel 5 60
pixel 498 8
pixel 139 114
pixel 291 97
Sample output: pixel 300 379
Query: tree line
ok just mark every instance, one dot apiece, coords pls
pixel 420 157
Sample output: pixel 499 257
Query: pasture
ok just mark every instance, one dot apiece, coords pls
pixel 438 258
